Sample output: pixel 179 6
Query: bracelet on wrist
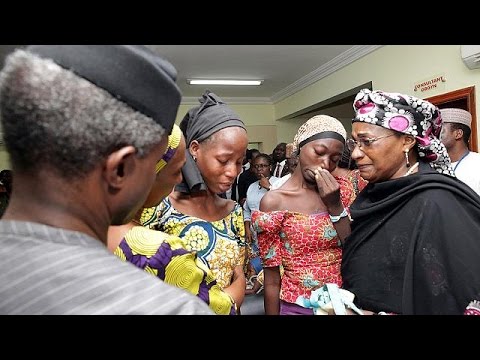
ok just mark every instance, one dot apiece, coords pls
pixel 336 218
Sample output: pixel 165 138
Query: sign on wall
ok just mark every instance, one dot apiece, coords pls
pixel 428 86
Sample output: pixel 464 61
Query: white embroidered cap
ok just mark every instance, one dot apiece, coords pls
pixel 458 116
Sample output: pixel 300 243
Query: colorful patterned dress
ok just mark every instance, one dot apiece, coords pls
pixel 165 256
pixel 219 244
pixel 351 185
pixel 306 245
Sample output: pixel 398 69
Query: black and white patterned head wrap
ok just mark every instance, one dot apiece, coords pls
pixel 408 115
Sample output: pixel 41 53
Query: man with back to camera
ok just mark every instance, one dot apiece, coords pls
pixel 455 136
pixel 84 127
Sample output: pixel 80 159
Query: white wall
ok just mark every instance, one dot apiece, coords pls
pixel 259 119
pixel 251 114
pixel 392 68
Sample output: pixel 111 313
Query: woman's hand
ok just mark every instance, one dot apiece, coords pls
pixel 236 289
pixel 248 232
pixel 329 190
pixel 263 182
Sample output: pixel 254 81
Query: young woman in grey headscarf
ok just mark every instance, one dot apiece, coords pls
pixel 208 224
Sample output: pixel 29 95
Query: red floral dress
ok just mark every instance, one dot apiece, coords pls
pixel 351 185
pixel 306 245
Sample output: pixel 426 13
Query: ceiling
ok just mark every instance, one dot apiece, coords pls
pixel 285 69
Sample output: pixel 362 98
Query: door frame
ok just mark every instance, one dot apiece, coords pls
pixel 467 94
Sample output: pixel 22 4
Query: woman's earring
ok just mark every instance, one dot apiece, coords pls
pixel 406 158
pixel 194 158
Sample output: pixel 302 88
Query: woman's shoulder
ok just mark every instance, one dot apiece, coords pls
pixel 144 241
pixel 445 199
pixel 228 208
pixel 164 205
pixel 272 200
pixel 282 198
pixel 151 216
pixel 225 203
pixel 269 220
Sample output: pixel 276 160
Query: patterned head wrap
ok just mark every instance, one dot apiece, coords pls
pixel 201 122
pixel 408 115
pixel 319 127
pixel 173 142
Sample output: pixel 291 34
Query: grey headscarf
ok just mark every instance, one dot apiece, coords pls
pixel 199 124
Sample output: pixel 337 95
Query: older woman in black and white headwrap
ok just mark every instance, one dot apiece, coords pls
pixel 414 245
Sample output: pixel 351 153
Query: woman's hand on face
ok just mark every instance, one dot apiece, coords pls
pixel 263 182
pixel 328 189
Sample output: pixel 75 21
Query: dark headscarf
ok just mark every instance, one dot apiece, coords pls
pixel 408 115
pixel 199 124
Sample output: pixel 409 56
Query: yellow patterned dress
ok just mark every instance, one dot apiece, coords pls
pixel 165 256
pixel 219 244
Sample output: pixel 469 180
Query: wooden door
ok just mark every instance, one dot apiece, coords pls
pixel 462 99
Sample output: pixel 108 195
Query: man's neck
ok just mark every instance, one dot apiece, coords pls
pixel 49 200
pixel 457 152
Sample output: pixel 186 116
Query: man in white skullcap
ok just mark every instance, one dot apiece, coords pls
pixel 455 136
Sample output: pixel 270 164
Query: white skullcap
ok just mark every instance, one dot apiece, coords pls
pixel 458 116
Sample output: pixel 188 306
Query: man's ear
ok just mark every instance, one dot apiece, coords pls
pixel 458 133
pixel 118 165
